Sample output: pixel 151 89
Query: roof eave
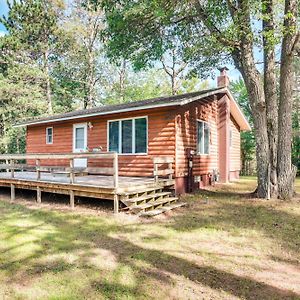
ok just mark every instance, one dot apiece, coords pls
pixel 177 103
pixel 238 114
pixel 37 122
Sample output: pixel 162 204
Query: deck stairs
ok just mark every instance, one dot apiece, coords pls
pixel 150 201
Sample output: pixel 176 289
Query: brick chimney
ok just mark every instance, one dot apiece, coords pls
pixel 224 128
pixel 223 79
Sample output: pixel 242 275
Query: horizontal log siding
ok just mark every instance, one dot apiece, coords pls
pixel 186 137
pixel 235 149
pixel 161 140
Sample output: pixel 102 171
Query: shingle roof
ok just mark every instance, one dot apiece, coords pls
pixel 130 106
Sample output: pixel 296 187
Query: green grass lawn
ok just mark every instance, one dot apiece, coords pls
pixel 223 245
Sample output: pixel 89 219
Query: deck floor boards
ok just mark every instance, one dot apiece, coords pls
pixel 102 181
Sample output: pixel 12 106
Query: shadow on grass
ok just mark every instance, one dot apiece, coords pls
pixel 71 233
pixel 237 212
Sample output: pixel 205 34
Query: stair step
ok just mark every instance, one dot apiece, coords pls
pixel 141 191
pixel 147 187
pixel 160 210
pixel 152 203
pixel 149 196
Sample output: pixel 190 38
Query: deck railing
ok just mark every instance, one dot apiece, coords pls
pixel 163 167
pixel 167 162
pixel 12 163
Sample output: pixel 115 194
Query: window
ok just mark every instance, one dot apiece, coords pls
pixel 128 136
pixel 49 135
pixel 79 138
pixel 203 138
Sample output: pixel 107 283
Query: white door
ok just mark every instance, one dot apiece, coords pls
pixel 80 143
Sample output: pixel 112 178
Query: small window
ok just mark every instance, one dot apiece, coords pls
pixel 203 138
pixel 128 136
pixel 49 135
pixel 79 138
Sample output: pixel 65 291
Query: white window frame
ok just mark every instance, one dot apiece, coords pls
pixel 133 135
pixel 199 152
pixel 47 135
pixel 79 125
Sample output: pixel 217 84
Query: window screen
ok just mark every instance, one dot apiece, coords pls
pixel 79 138
pixel 114 136
pixel 203 137
pixel 128 136
pixel 49 135
pixel 141 135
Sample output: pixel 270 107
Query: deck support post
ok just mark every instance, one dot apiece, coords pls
pixel 116 203
pixel 72 177
pixel 12 192
pixel 38 172
pixel 116 182
pixel 38 195
pixel 72 199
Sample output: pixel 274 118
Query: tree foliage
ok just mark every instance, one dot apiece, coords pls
pixel 53 59
pixel 213 32
pixel 247 138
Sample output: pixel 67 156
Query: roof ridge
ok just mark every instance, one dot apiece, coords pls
pixel 106 108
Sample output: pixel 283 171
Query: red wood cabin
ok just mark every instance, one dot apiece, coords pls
pixel 203 127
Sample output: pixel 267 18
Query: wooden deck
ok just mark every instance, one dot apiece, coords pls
pixel 99 181
pixel 73 182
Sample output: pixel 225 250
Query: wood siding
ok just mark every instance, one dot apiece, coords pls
pixel 171 131
pixel 161 140
pixel 186 137
pixel 235 148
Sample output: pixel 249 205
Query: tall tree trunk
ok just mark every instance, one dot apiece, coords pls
pixel 244 62
pixel 89 99
pixel 173 85
pixel 270 91
pixel 122 79
pixel 286 172
pixel 48 83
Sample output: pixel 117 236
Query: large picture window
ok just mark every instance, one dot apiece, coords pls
pixel 203 138
pixel 128 136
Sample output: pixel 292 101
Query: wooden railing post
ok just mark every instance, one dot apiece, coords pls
pixel 7 163
pixel 116 171
pixel 155 172
pixel 12 168
pixel 38 171
pixel 72 177
pixel 170 165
